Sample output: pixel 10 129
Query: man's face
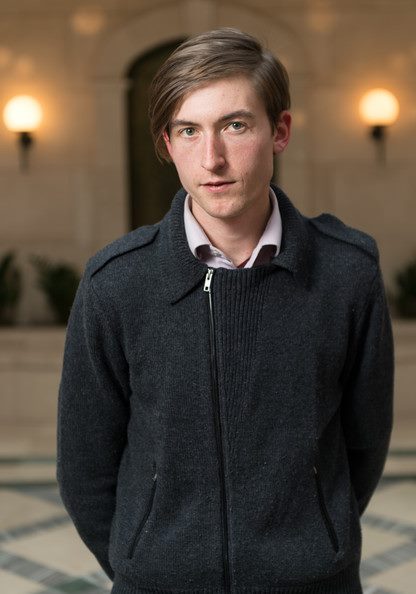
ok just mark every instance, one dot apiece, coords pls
pixel 222 144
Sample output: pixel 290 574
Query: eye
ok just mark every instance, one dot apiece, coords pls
pixel 187 132
pixel 237 126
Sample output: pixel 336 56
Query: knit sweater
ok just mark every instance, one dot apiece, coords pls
pixel 221 431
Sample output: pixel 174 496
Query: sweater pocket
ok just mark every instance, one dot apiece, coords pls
pixel 139 530
pixel 324 513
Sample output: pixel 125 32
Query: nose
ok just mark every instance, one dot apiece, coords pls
pixel 213 155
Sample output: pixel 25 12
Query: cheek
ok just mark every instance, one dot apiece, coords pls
pixel 255 156
pixel 185 155
pixel 181 159
pixel 186 168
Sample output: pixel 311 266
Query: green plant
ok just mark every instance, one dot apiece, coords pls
pixel 10 288
pixel 59 282
pixel 405 298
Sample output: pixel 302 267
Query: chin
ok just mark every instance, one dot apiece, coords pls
pixel 225 213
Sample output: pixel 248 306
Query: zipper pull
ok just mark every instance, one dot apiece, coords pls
pixel 208 278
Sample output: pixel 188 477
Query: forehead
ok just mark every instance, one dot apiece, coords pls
pixel 212 98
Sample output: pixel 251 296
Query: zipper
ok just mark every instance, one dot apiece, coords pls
pixel 218 430
pixel 144 519
pixel 324 512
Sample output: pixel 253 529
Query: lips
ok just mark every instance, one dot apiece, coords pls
pixel 218 183
pixel 217 187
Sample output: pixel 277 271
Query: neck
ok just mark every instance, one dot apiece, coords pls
pixel 236 237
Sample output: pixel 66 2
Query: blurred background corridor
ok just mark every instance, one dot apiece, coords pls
pixel 78 170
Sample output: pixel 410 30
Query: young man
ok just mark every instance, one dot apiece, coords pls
pixel 225 405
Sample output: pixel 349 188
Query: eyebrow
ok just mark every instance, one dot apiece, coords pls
pixel 241 113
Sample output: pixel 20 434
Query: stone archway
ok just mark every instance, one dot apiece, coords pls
pixel 122 46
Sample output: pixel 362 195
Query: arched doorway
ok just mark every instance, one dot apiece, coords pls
pixel 164 25
pixel 152 184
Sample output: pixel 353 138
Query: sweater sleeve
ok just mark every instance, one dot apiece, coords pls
pixel 92 421
pixel 367 407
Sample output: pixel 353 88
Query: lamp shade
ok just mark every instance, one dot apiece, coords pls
pixel 22 114
pixel 379 107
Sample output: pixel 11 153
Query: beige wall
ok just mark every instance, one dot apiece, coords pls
pixel 73 199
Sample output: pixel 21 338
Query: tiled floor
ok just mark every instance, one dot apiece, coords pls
pixel 41 553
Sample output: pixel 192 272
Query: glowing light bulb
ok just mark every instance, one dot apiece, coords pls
pixel 22 114
pixel 379 107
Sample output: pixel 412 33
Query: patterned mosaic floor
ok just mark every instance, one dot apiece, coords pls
pixel 40 552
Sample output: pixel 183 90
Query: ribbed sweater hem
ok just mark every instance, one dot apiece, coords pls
pixel 346 581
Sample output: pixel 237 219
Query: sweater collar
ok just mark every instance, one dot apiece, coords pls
pixel 297 243
pixel 184 271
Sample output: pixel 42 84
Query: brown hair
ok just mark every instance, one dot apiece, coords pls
pixel 215 55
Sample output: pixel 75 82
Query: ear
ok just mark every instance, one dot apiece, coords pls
pixel 281 133
pixel 168 144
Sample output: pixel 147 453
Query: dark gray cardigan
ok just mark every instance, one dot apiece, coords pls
pixel 227 440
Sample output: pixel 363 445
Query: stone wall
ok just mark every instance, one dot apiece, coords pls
pixel 73 58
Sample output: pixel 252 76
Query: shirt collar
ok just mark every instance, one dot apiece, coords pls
pixel 197 237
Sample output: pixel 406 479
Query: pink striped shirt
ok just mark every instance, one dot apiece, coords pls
pixel 267 247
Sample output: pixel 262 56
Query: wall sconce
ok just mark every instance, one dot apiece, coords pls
pixel 23 115
pixel 378 109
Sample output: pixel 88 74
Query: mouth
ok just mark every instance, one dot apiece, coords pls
pixel 217 186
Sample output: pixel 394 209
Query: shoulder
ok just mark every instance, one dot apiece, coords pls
pixel 332 232
pixel 120 247
pixel 330 226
